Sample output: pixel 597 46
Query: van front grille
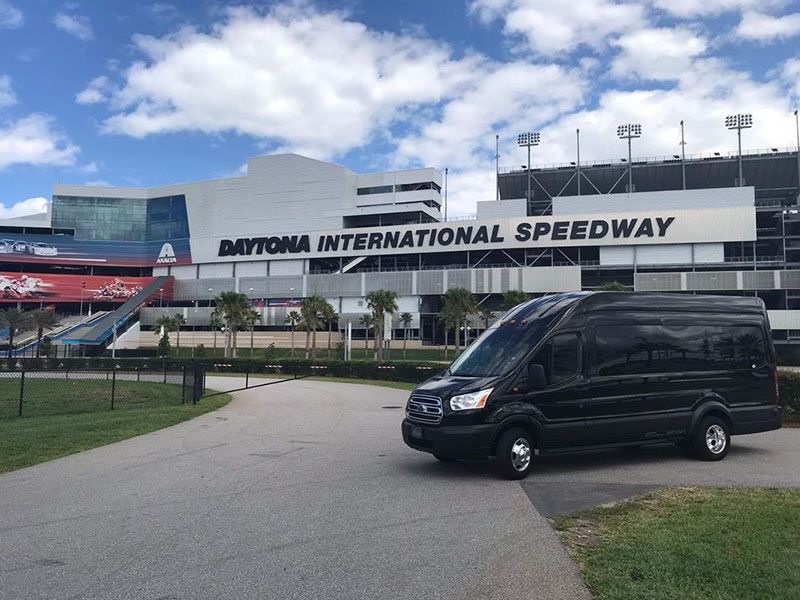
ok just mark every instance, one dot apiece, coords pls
pixel 424 409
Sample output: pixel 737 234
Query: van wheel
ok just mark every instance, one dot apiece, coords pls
pixel 712 439
pixel 514 454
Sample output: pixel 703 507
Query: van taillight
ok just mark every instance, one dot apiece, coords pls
pixel 777 387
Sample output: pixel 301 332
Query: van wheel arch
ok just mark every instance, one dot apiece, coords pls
pixel 526 423
pixel 711 407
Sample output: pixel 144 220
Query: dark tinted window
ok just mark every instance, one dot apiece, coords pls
pixel 685 348
pixel 560 358
pixel 627 349
pixel 737 347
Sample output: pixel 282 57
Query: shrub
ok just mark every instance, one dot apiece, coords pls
pixel 200 351
pixel 789 385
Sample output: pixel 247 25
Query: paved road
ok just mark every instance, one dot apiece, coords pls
pixel 297 490
pixel 305 490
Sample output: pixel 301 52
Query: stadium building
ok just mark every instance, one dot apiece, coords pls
pixel 293 226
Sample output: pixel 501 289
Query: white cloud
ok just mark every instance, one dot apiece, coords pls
pixel 95 92
pixel 31 206
pixel 10 17
pixel 7 96
pixel 662 53
pixel 89 168
pixel 791 77
pixel 551 28
pixel 765 28
pixel 32 140
pixel 313 82
pixel 75 25
pixel 704 8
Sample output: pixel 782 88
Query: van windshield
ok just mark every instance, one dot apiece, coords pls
pixel 499 349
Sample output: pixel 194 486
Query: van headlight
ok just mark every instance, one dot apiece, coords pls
pixel 468 401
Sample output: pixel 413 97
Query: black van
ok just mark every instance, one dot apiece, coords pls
pixel 598 369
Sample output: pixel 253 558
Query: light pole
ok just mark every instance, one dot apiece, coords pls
pixel 160 297
pixel 683 157
pixel 739 122
pixel 528 139
pixel 797 129
pixel 83 285
pixel 578 163
pixel 497 164
pixel 628 132
pixel 210 295
pixel 445 193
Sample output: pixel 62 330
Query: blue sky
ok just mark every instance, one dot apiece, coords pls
pixel 149 93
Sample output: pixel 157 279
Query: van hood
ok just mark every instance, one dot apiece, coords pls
pixel 449 385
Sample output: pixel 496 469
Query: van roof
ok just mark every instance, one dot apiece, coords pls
pixel 548 306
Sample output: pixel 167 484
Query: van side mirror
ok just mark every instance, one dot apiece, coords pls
pixel 536 377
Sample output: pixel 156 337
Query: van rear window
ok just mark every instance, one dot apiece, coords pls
pixel 640 349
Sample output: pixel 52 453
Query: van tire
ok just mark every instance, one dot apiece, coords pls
pixel 711 440
pixel 514 454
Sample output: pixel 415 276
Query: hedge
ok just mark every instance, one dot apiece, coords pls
pixel 789 386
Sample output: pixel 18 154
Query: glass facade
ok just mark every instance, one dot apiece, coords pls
pixel 122 219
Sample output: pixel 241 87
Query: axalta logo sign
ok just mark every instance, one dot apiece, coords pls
pixel 166 255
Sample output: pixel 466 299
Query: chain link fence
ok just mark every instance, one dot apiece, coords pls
pixel 28 392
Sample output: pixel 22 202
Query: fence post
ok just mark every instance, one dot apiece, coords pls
pixel 21 390
pixel 138 374
pixel 183 386
pixel 247 378
pixel 113 387
pixel 165 371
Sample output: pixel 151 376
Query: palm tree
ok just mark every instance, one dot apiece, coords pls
pixel 178 321
pixel 514 297
pixel 487 315
pixel 331 316
pixel 42 319
pixel 313 310
pixel 367 321
pixel 457 303
pixel 14 319
pixel 293 318
pixel 252 317
pixel 233 308
pixel 381 302
pixel 405 319
pixel 216 323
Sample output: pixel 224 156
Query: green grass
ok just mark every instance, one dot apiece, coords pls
pixel 709 544
pixel 28 441
pixel 51 396
pixel 398 385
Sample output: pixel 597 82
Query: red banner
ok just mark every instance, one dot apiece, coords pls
pixel 44 287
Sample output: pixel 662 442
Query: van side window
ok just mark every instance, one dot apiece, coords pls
pixel 560 358
pixel 735 347
pixel 627 349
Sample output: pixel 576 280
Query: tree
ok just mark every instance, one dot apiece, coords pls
pixel 46 346
pixel 367 321
pixel 216 324
pixel 381 302
pixel 514 297
pixel 487 315
pixel 613 286
pixel 293 318
pixel 14 319
pixel 405 319
pixel 178 321
pixel 163 345
pixel 313 309
pixel 41 320
pixel 330 316
pixel 457 303
pixel 233 309
pixel 165 324
pixel 252 317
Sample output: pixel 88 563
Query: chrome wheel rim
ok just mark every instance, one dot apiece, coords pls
pixel 520 454
pixel 715 439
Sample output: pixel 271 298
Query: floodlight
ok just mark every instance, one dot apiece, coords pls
pixel 740 121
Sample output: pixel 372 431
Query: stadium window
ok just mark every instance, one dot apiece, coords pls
pixel 380 189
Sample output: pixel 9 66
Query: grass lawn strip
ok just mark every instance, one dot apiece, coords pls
pixel 398 385
pixel 30 440
pixel 690 543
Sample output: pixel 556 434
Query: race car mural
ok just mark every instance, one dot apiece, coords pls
pixel 38 287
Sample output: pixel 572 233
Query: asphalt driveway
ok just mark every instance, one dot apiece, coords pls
pixel 305 490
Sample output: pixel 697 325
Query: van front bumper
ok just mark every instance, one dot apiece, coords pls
pixel 450 441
